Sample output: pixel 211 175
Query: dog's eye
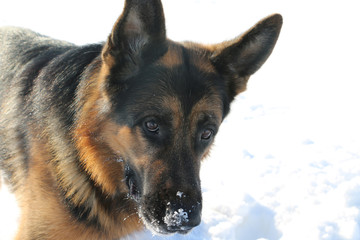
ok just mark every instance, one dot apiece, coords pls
pixel 206 134
pixel 152 126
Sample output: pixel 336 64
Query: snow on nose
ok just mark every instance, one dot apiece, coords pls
pixel 176 218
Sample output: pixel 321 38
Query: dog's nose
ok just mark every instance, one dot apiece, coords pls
pixel 183 213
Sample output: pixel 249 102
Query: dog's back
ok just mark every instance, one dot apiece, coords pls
pixel 22 54
pixel 18 46
pixel 27 93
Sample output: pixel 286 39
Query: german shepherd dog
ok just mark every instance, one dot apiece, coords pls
pixel 97 141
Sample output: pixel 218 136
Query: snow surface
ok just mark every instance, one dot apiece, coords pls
pixel 286 162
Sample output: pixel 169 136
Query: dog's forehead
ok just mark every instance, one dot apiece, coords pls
pixel 191 81
pixel 206 107
pixel 182 83
pixel 189 54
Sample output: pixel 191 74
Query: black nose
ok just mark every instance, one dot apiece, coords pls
pixel 182 213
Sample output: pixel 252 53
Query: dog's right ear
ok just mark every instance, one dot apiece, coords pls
pixel 138 31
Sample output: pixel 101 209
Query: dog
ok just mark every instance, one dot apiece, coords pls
pixel 98 141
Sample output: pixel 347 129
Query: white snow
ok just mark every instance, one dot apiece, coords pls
pixel 9 213
pixel 180 194
pixel 176 218
pixel 286 161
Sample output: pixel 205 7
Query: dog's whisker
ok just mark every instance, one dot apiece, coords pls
pixel 130 216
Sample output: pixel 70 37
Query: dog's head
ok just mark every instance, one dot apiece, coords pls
pixel 165 101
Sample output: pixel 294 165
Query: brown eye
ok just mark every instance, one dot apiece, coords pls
pixel 206 134
pixel 152 126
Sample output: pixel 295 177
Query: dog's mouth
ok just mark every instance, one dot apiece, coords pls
pixel 132 184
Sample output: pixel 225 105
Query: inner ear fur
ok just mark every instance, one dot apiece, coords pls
pixel 238 59
pixel 141 26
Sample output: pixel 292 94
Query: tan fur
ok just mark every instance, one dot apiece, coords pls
pixel 172 58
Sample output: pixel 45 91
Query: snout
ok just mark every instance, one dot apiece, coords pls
pixel 173 211
pixel 168 207
pixel 181 214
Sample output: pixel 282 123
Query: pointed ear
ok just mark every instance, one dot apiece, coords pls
pixel 243 56
pixel 140 27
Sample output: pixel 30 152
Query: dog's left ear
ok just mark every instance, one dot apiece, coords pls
pixel 140 29
pixel 238 59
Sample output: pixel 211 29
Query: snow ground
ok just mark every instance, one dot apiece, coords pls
pixel 286 163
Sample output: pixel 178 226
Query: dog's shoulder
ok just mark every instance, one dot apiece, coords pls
pixel 15 36
pixel 20 45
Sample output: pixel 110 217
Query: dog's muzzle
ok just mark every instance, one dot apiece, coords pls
pixel 172 212
pixel 163 210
